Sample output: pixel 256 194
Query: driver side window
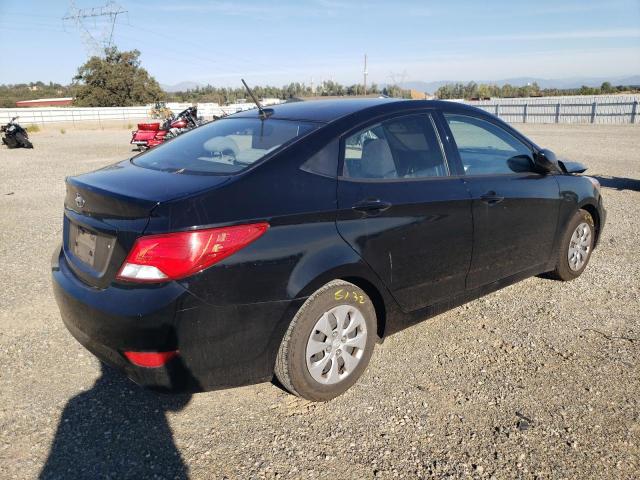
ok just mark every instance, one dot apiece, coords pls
pixel 486 149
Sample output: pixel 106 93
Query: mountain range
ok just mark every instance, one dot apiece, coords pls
pixel 561 83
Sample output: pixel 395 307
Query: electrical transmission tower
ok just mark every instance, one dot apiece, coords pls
pixel 96 25
pixel 398 78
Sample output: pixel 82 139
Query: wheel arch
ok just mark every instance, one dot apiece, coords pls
pixel 376 297
pixel 593 211
pixel 360 275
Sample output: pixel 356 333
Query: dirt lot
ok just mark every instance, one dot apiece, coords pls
pixel 541 379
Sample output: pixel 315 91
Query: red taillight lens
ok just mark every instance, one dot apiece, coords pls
pixel 171 256
pixel 150 359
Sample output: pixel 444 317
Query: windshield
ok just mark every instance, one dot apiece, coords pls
pixel 224 146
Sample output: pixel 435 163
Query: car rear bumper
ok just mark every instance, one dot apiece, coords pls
pixel 219 346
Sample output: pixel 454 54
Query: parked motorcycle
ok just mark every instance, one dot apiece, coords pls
pixel 14 136
pixel 152 134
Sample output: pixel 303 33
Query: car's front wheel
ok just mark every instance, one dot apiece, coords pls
pixel 329 342
pixel 575 247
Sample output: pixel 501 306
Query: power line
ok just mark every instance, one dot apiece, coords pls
pixel 22 15
pixel 180 55
pixel 199 46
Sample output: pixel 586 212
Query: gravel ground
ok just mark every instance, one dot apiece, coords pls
pixel 538 380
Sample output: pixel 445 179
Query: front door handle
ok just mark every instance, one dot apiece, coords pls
pixel 371 207
pixel 491 198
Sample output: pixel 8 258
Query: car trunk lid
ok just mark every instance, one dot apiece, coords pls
pixel 107 210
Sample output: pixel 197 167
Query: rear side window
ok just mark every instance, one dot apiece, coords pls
pixel 324 162
pixel 486 149
pixel 402 147
pixel 225 146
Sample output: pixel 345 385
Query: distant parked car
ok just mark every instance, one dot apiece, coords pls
pixel 286 242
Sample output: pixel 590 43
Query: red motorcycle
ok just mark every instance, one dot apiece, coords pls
pixel 152 134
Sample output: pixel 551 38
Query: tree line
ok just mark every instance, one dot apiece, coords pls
pixel 223 95
pixel 10 94
pixel 473 90
pixel 117 79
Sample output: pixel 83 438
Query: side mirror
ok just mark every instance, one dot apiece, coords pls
pixel 547 162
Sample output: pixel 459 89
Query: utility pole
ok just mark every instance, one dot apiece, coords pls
pixel 95 42
pixel 365 73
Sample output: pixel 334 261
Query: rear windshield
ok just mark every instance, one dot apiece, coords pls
pixel 224 146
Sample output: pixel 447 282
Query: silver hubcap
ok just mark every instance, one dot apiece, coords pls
pixel 579 246
pixel 336 344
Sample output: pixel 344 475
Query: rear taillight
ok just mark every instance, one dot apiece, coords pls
pixel 171 256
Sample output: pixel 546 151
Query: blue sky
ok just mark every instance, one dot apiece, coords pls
pixel 275 42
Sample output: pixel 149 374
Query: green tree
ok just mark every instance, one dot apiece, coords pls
pixel 584 90
pixel 117 80
pixel 606 88
pixel 392 91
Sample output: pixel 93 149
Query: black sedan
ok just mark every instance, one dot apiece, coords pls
pixel 284 243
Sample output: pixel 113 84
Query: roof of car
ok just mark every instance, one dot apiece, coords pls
pixel 329 110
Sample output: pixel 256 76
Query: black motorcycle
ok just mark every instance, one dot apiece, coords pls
pixel 14 136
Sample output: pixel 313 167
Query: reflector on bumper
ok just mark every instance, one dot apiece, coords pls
pixel 150 359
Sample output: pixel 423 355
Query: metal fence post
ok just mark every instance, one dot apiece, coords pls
pixel 497 109
pixel 634 111
pixel 524 114
pixel 593 112
pixel 558 112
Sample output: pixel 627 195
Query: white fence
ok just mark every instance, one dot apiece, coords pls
pixel 574 109
pixel 570 109
pixel 44 115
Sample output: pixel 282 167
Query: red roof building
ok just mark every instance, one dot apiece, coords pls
pixel 46 102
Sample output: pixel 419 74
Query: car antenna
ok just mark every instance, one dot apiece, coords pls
pixel 264 114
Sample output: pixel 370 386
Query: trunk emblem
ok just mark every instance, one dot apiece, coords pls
pixel 79 201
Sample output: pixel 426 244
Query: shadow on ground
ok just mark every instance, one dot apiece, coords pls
pixel 619 183
pixel 116 430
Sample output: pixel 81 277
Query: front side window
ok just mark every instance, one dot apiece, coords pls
pixel 486 149
pixel 402 147
pixel 224 146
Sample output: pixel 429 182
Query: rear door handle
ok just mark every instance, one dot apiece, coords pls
pixel 371 207
pixel 491 198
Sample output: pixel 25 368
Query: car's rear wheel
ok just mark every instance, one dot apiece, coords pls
pixel 329 342
pixel 575 247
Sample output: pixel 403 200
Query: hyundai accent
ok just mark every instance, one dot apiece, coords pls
pixel 284 243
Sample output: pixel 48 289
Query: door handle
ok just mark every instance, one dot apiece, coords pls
pixel 371 207
pixel 491 198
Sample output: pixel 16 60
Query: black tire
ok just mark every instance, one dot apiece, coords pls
pixel 23 140
pixel 291 363
pixel 564 271
pixel 10 142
